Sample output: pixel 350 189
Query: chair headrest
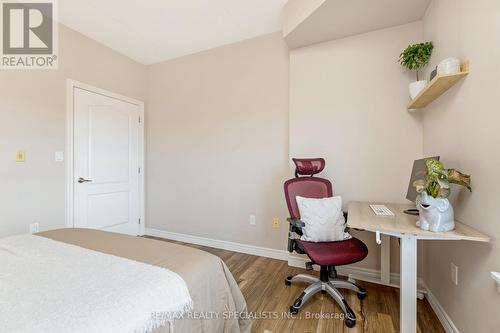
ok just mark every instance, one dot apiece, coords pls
pixel 308 166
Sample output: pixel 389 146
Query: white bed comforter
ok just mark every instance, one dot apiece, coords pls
pixel 53 287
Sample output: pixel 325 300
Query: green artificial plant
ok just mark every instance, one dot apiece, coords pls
pixel 438 179
pixel 416 56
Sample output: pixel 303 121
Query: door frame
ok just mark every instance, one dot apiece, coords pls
pixel 70 124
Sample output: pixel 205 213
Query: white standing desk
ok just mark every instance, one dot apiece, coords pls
pixel 361 216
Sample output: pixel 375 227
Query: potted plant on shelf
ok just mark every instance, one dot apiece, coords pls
pixel 414 58
pixel 436 212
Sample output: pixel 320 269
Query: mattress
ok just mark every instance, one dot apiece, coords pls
pixel 219 306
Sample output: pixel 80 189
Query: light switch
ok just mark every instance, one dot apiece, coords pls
pixel 59 156
pixel 20 155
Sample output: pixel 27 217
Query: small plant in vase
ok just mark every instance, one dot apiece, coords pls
pixel 416 57
pixel 436 212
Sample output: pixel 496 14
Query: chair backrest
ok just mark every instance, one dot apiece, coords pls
pixel 308 187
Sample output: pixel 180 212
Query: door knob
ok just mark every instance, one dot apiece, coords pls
pixel 83 180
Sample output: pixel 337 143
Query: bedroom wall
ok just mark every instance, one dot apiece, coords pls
pixel 462 127
pixel 348 104
pixel 217 133
pixel 33 118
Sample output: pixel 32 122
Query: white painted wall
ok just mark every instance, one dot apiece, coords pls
pixel 217 131
pixel 33 118
pixel 463 127
pixel 347 104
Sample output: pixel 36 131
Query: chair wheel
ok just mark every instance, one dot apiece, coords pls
pixel 287 283
pixel 288 280
pixel 350 322
pixel 294 310
pixel 361 294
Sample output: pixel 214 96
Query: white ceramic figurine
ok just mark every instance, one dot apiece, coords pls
pixel 436 214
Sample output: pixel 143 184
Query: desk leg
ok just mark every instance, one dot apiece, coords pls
pixel 385 259
pixel 408 291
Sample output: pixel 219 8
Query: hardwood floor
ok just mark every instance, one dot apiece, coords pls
pixel 262 282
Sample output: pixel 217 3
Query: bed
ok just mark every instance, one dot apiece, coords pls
pixel 210 283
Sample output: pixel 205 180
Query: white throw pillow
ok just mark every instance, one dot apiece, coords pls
pixel 324 219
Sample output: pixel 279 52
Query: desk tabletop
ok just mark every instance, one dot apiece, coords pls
pixel 361 216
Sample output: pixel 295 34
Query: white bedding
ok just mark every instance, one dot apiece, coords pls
pixel 49 286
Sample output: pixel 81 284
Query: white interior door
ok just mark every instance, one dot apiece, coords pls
pixel 106 163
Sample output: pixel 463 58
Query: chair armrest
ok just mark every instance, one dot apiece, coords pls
pixel 294 233
pixel 296 223
pixel 347 229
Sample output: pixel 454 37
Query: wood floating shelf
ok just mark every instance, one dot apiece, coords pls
pixel 438 86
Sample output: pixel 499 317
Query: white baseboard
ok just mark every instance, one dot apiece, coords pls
pixel 443 317
pixel 296 261
pixel 220 244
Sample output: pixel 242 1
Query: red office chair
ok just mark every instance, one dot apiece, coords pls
pixel 325 254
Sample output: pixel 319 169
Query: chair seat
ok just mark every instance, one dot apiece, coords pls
pixel 335 253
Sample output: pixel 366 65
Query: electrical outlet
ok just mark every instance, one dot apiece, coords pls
pixel 59 156
pixel 454 273
pixel 252 220
pixel 276 223
pixel 34 228
pixel 20 155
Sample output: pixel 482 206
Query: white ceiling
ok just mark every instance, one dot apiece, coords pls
pixel 341 18
pixel 151 31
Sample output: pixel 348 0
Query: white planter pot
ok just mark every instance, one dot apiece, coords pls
pixel 416 87
pixel 436 214
pixel 449 66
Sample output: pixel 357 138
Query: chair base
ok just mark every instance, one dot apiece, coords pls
pixel 329 285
